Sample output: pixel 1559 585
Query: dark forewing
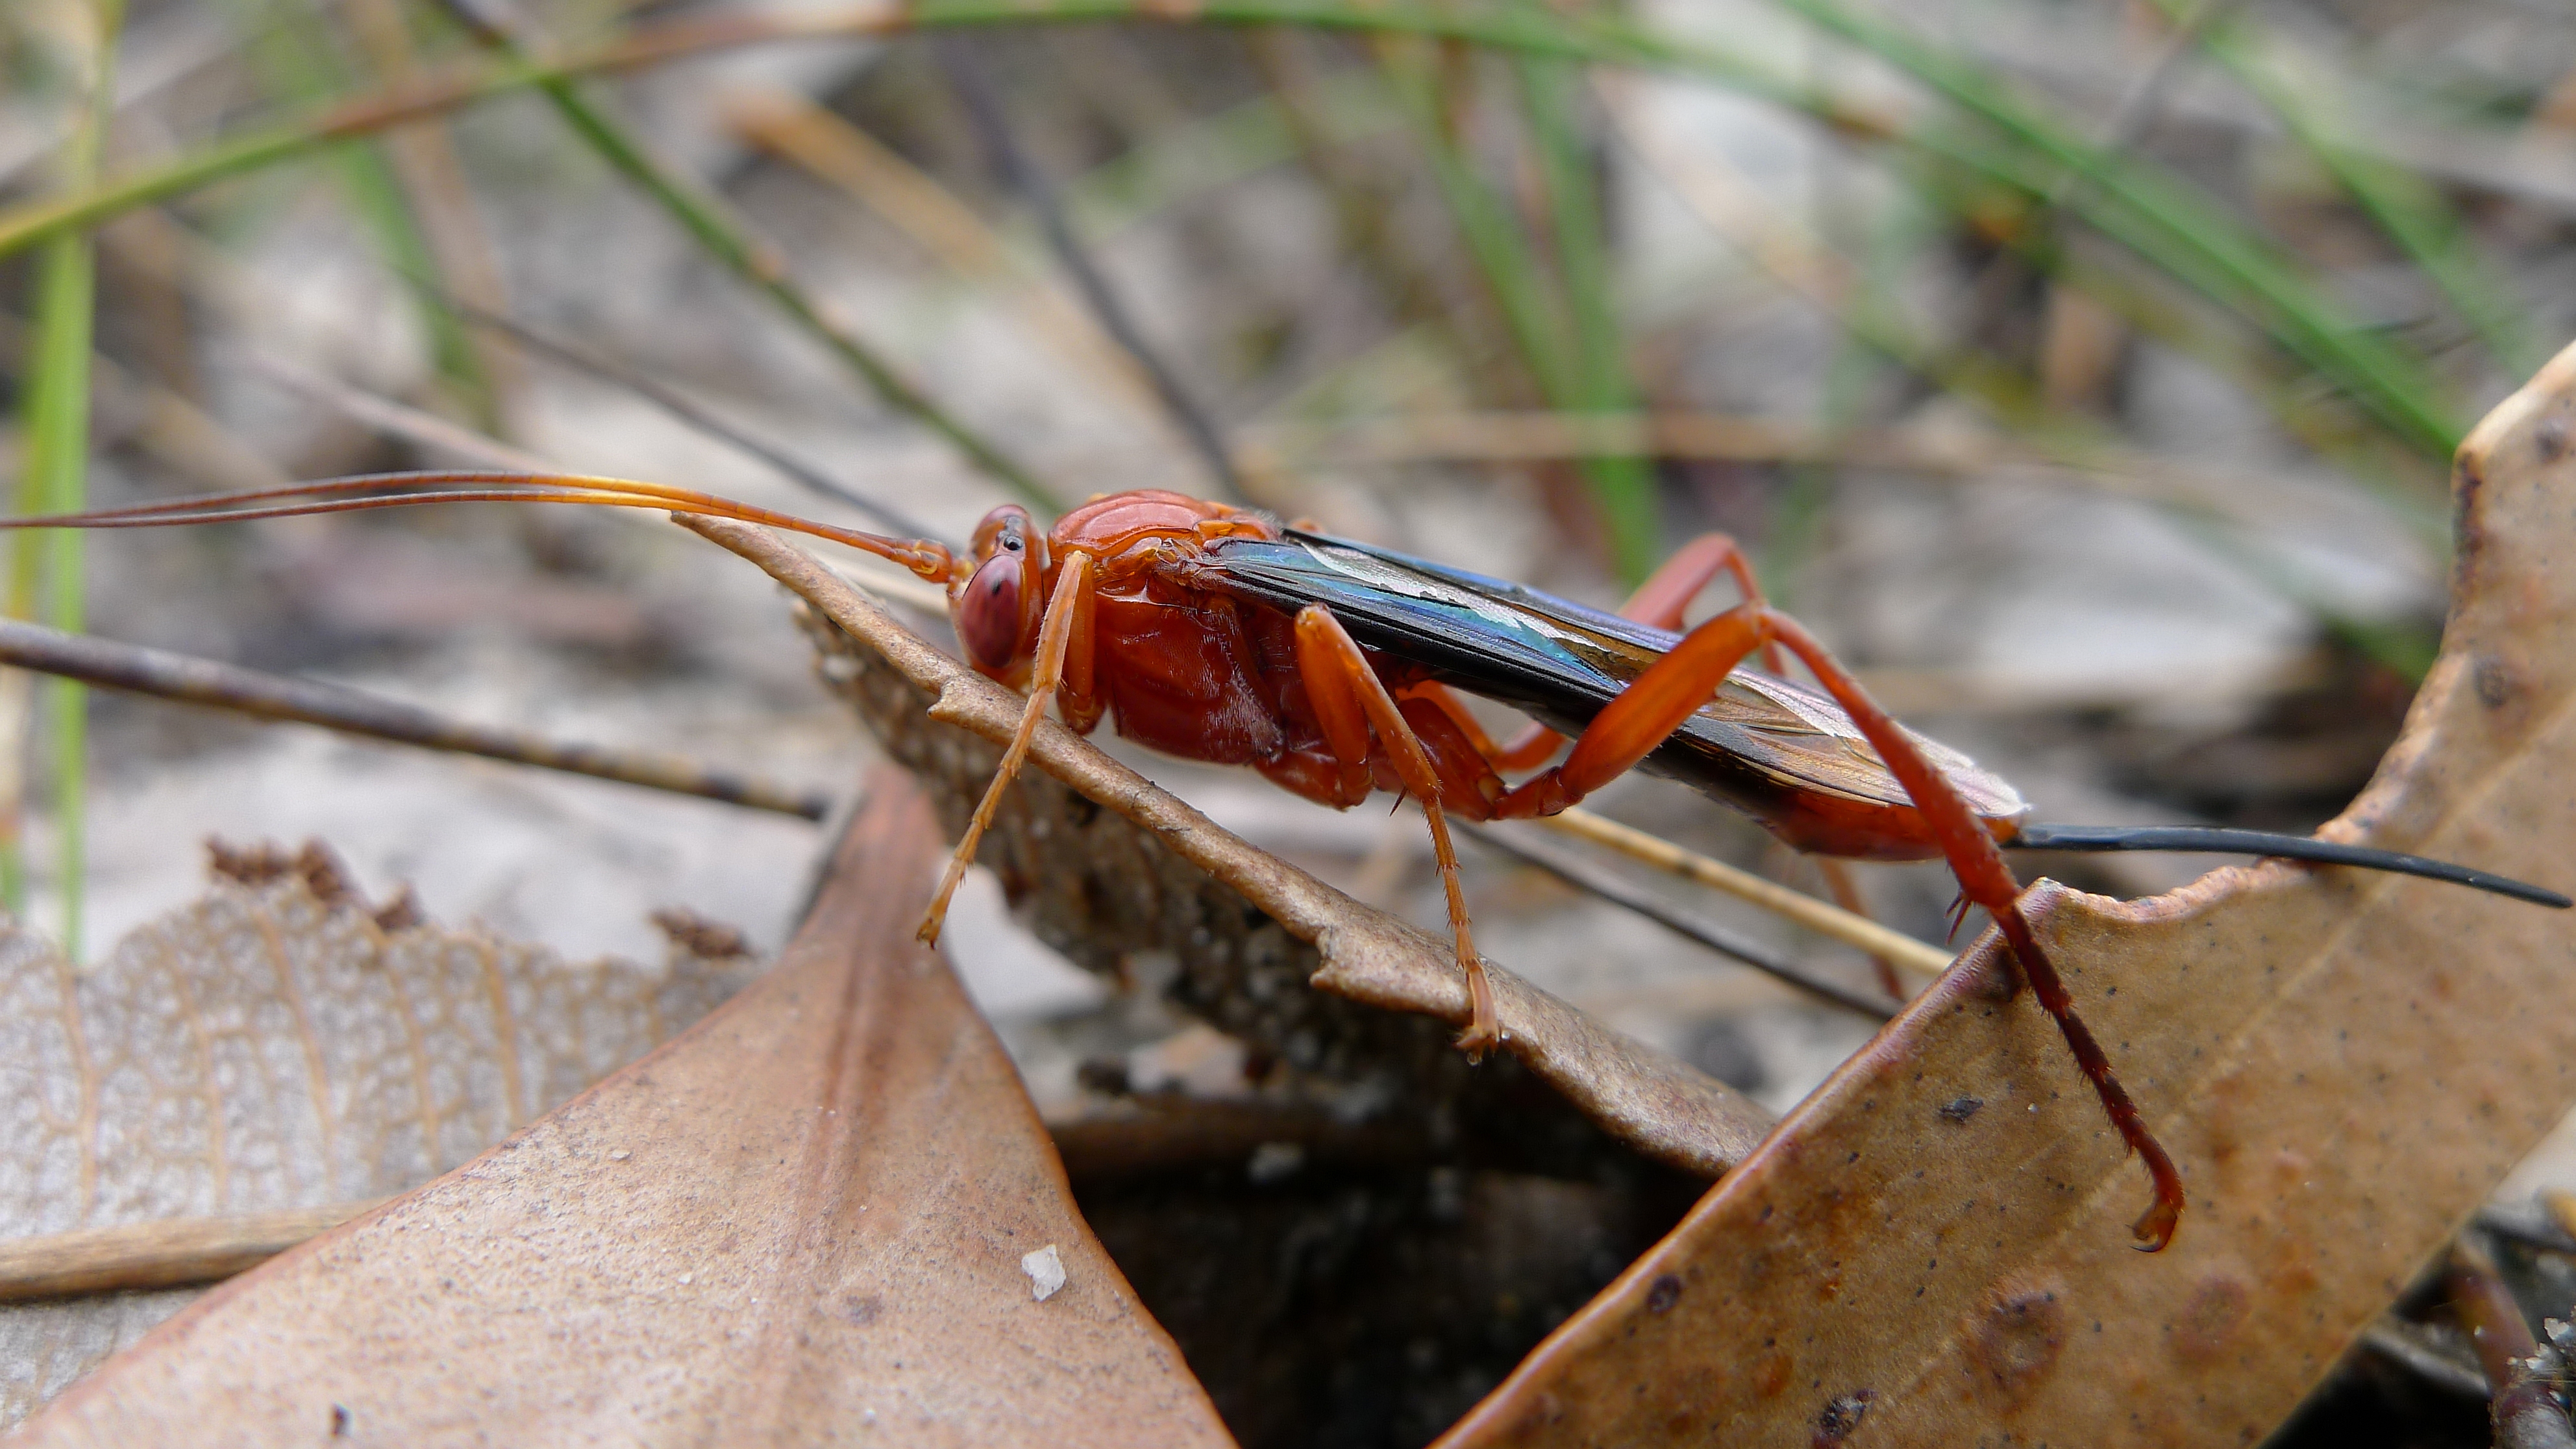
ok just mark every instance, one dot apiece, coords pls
pixel 1562 663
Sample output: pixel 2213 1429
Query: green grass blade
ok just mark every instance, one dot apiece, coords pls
pixel 2174 226
pixel 56 475
pixel 1487 225
pixel 1624 488
pixel 292 61
pixel 2413 213
pixel 1541 319
pixel 2170 223
pixel 726 235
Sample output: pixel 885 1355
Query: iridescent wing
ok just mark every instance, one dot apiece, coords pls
pixel 1561 662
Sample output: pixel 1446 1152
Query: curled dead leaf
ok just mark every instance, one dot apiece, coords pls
pixel 2344 1065
pixel 805 1217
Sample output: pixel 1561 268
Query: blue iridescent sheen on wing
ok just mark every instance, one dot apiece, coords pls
pixel 1563 662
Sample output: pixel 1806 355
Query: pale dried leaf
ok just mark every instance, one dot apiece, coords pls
pixel 269 1047
pixel 1934 1247
pixel 1654 1103
pixel 802 1220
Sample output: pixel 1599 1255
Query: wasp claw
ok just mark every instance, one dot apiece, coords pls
pixel 2155 1227
pixel 1477 1040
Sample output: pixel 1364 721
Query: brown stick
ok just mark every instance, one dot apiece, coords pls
pixel 188 680
pixel 2527 1409
pixel 168 1254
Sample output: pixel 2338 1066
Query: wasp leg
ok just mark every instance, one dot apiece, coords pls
pixel 1659 601
pixel 1068 612
pixel 1351 703
pixel 1468 759
pixel 1986 880
pixel 1658 701
pixel 1846 894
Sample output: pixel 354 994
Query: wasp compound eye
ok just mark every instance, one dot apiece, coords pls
pixel 988 613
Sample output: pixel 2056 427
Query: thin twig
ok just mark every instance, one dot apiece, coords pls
pixel 2392 1342
pixel 1618 890
pixel 679 405
pixel 398 419
pixel 1146 1134
pixel 1021 174
pixel 171 1254
pixel 1821 917
pixel 2137 110
pixel 2528 1409
pixel 188 680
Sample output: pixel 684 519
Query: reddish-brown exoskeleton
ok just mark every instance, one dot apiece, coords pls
pixel 1104 614
pixel 1117 610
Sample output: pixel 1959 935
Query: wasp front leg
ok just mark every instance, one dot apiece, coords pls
pixel 1063 665
pixel 1351 703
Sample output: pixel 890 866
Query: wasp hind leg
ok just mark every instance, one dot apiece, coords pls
pixel 1656 703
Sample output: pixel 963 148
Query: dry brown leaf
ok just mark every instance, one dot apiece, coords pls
pixel 1933 1248
pixel 1658 1105
pixel 827 1207
pixel 271 1046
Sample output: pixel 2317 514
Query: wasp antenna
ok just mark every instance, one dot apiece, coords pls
pixel 924 557
pixel 2286 847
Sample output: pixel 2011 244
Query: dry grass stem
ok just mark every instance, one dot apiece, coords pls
pixel 395 419
pixel 1822 917
pixel 1610 886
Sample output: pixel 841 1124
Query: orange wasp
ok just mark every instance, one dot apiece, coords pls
pixel 1217 634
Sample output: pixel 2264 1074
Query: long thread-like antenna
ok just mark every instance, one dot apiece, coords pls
pixel 2286 847
pixel 670 400
pixel 925 557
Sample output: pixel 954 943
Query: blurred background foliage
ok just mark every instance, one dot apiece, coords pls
pixel 2085 370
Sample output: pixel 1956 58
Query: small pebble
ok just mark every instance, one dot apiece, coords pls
pixel 1045 1268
